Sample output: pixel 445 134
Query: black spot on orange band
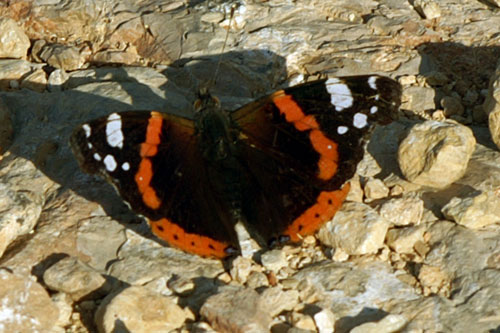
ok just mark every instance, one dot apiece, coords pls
pixel 192 243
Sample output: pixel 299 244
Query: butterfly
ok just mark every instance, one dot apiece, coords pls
pixel 278 166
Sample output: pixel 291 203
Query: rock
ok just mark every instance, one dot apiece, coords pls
pixel 23 190
pixel 325 321
pixel 273 260
pixel 403 240
pixel 242 267
pixel 474 212
pixel 257 280
pixel 303 322
pixel 436 153
pixel 237 310
pixel 375 189
pixel 418 99
pixel 491 106
pixel 389 324
pixel 25 306
pixel 278 300
pixel 64 304
pixel 452 106
pixel 434 280
pixel 14 43
pixel 99 239
pixel 356 228
pixel 6 129
pixel 36 81
pixel 63 57
pixel 12 70
pixel 403 211
pixel 427 8
pixel 76 279
pixel 137 309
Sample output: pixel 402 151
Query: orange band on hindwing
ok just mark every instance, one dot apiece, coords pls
pixel 327 204
pixel 192 243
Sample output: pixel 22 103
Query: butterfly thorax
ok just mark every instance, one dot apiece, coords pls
pixel 216 134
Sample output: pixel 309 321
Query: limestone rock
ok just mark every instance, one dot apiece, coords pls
pixel 237 310
pixel 13 43
pixel 436 153
pixel 72 277
pixel 137 309
pixel 474 212
pixel 25 306
pixel 356 228
pixel 403 211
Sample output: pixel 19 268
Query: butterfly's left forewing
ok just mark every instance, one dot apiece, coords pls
pixel 153 162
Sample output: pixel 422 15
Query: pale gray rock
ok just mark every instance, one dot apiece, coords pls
pixel 436 153
pixel 137 309
pixel 474 212
pixel 274 260
pixel 325 321
pixel 278 300
pixel 23 190
pixel 375 189
pixel 356 228
pixel 142 260
pixel 403 240
pixel 346 289
pixel 389 324
pixel 76 279
pixel 491 106
pixel 237 310
pixel 418 99
pixel 12 70
pixel 36 81
pixel 26 306
pixel 14 43
pixel 68 58
pixel 403 211
pixel 99 238
pixel 429 9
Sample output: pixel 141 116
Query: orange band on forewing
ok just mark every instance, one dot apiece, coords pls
pixel 153 132
pixel 327 204
pixel 326 148
pixel 149 148
pixel 192 243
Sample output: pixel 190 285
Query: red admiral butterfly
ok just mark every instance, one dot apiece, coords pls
pixel 278 165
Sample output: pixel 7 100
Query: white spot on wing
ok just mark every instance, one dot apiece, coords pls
pixel 360 120
pixel 110 163
pixel 340 94
pixel 126 166
pixel 342 129
pixel 89 145
pixel 372 82
pixel 97 157
pixel 87 130
pixel 114 134
pixel 373 109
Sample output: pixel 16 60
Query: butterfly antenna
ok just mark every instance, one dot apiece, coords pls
pixel 231 15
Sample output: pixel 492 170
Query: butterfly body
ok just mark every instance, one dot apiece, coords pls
pixel 279 165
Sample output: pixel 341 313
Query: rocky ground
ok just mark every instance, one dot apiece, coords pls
pixel 416 248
